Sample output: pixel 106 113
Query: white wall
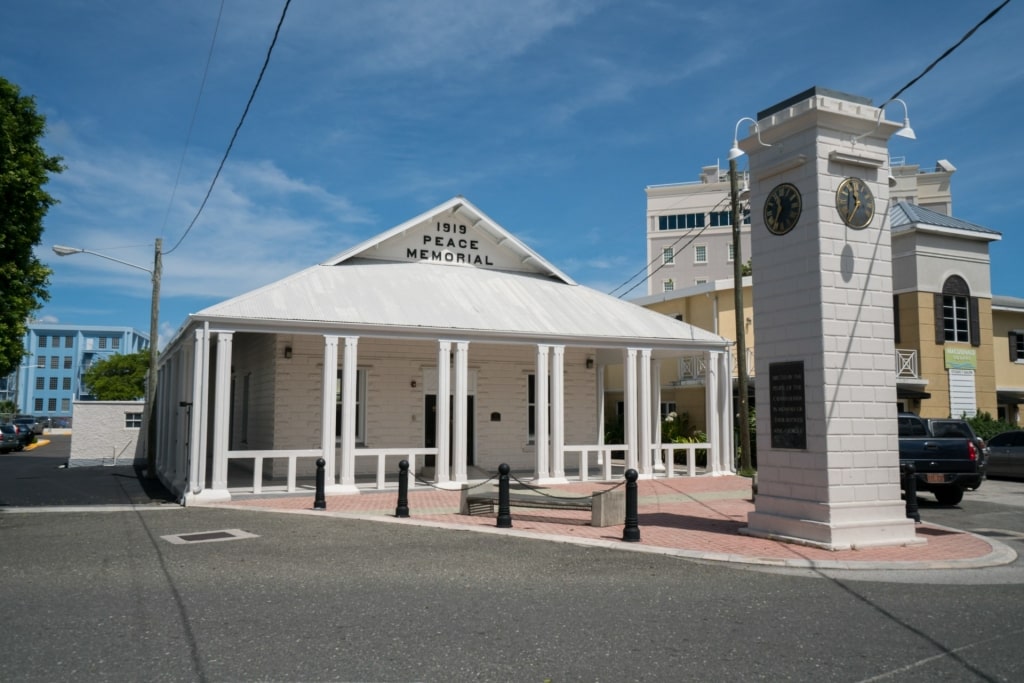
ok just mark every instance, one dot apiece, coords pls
pixel 100 437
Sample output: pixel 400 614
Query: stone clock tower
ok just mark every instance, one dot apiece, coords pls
pixel 827 449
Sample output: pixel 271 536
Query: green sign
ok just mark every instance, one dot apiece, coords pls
pixel 961 359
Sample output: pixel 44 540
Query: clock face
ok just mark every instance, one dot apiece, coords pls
pixel 782 208
pixel 855 203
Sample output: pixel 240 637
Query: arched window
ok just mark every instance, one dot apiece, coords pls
pixel 956 313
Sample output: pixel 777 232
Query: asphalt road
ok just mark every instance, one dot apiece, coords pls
pixel 101 596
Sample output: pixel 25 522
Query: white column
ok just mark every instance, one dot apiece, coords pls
pixel 349 375
pixel 222 411
pixel 659 466
pixel 461 417
pixel 558 413
pixel 644 413
pixel 328 410
pixel 599 390
pixel 196 443
pixel 540 412
pixel 442 411
pixel 725 421
pixel 711 405
pixel 629 406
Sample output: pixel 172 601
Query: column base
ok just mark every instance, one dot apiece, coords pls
pixel 836 526
pixel 205 496
pixel 347 489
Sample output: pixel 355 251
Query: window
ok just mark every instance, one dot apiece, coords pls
pixel 668 285
pixel 681 221
pixel 51 405
pixel 700 254
pixel 42 342
pixel 40 383
pixel 41 361
pixel 667 407
pixel 721 219
pixel 38 405
pixel 67 362
pixel 54 362
pixel 531 406
pixel 115 342
pixel 67 384
pixel 53 384
pixel 668 256
pixel 103 342
pixel 956 313
pixel 732 252
pixel 133 420
pixel 69 342
pixel 1017 346
pixel 360 402
pixel 65 405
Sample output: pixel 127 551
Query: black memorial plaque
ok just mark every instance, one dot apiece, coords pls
pixel 788 413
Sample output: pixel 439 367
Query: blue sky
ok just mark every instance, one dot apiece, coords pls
pixel 550 115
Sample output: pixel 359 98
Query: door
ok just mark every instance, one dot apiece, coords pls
pixel 430 427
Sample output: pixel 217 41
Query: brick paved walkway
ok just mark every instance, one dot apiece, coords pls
pixel 698 517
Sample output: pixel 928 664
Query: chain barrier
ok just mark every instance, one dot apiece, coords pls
pixel 442 488
pixel 544 493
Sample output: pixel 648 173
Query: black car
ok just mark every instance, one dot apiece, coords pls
pixel 25 435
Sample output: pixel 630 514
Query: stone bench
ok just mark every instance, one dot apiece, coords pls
pixel 607 508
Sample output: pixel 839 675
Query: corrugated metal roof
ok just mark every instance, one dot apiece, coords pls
pixel 905 214
pixel 360 290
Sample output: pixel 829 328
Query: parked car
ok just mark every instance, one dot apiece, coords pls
pixel 953 427
pixel 30 421
pixel 25 434
pixel 9 439
pixel 1006 454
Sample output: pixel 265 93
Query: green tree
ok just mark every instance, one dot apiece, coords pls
pixel 118 378
pixel 24 170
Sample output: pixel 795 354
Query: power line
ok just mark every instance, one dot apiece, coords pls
pixel 192 123
pixel 675 252
pixel 234 135
pixel 948 51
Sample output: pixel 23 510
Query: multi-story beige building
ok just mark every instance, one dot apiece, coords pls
pixel 959 347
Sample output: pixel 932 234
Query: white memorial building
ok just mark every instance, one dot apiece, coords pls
pixel 345 360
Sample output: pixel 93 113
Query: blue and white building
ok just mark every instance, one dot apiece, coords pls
pixel 49 379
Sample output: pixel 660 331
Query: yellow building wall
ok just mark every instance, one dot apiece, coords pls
pixel 917 331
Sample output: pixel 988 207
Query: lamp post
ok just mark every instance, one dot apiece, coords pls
pixel 149 411
pixel 737 276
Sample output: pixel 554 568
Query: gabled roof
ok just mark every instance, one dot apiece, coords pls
pixel 450 224
pixel 424 279
pixel 903 216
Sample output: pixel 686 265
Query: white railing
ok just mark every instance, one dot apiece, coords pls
pixel 604 458
pixel 906 363
pixel 382 454
pixel 259 456
pixel 666 455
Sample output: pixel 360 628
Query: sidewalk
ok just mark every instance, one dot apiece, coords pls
pixel 693 517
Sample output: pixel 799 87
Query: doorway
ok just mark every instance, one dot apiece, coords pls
pixel 430 427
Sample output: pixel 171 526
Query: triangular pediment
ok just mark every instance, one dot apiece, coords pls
pixel 456 234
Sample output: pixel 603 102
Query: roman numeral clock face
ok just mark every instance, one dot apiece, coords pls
pixel 782 208
pixel 855 203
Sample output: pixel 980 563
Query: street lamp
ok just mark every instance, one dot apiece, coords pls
pixel 149 410
pixel 737 288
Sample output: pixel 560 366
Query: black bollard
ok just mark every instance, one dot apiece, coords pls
pixel 910 490
pixel 403 489
pixel 504 514
pixel 320 502
pixel 631 532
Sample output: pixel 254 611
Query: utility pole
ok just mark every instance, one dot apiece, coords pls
pixel 154 354
pixel 741 344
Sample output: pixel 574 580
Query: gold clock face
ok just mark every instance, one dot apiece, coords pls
pixel 855 203
pixel 782 208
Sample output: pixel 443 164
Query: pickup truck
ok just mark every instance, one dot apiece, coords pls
pixel 943 465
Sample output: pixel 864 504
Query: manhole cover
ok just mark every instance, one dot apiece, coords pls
pixel 208 536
